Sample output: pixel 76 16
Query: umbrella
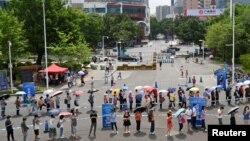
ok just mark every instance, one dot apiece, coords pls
pixel 20 93
pixel 138 87
pixel 49 91
pixel 115 91
pixel 5 96
pixel 172 89
pixel 56 93
pixel 65 114
pixel 54 112
pixel 77 92
pixel 233 110
pixel 148 88
pixel 188 88
pixel 92 91
pixel 179 112
pixel 194 89
pixel 239 84
pixel 247 82
pixel 140 109
pixel 124 87
pixel 81 73
pixel 163 91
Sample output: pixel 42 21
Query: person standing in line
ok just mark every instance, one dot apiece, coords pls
pixel 36 127
pixel 169 120
pixel 232 118
pixel 184 101
pixel 115 100
pixel 61 122
pixel 69 81
pixel 93 117
pixel 203 118
pixel 160 64
pixel 3 105
pixel 138 117
pixel 25 129
pixel 126 121
pixel 57 99
pixel 217 97
pixel 68 99
pixel 113 120
pixel 91 101
pixel 186 73
pixel 194 114
pixel 246 113
pixel 112 80
pixel 138 98
pixel 193 80
pixel 92 83
pixel 73 124
pixel 121 100
pixel 9 129
pixel 161 99
pixel 228 94
pixel 52 127
pixel 188 114
pixel 131 99
pixel 119 75
pixel 41 103
pixel 18 105
pixel 47 102
pixel 219 113
pixel 152 121
pixel 181 121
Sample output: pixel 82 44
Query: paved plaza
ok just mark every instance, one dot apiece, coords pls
pixel 169 76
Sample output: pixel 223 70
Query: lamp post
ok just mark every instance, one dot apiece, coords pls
pixel 10 65
pixel 232 17
pixel 103 45
pixel 45 47
pixel 203 46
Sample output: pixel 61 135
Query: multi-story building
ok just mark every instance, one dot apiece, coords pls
pixel 190 4
pixel 206 4
pixel 3 3
pixel 162 12
pixel 213 4
pixel 200 4
pixel 178 7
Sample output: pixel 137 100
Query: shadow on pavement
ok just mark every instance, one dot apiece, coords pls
pixel 152 136
pixel 126 135
pixel 163 110
pixel 92 138
pixel 66 139
pixel 140 134
pixel 181 136
pixel 170 138
pixel 111 135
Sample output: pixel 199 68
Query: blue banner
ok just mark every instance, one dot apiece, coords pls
pixel 221 78
pixel 3 80
pixel 199 102
pixel 106 113
pixel 29 88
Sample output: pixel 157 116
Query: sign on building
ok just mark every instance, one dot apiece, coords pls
pixel 204 12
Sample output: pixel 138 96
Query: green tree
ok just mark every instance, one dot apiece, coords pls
pixel 245 61
pixel 11 30
pixel 155 27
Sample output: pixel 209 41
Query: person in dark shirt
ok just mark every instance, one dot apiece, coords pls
pixel 9 129
pixel 25 129
pixel 93 117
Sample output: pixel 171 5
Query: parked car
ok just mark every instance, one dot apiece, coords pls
pixel 174 48
pixel 127 58
pixel 172 51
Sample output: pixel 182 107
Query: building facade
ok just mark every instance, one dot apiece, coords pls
pixel 162 12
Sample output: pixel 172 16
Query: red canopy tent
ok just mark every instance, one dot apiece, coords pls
pixel 54 69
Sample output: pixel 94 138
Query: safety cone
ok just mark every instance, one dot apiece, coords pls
pixel 46 126
pixel 189 80
pixel 201 79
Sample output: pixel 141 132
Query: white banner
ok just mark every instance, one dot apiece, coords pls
pixel 204 12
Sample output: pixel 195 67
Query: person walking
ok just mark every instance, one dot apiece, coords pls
pixel 188 114
pixel 73 124
pixel 61 123
pixel 246 113
pixel 3 105
pixel 181 121
pixel 169 120
pixel 68 101
pixel 18 105
pixel 52 127
pixel 138 117
pixel 194 114
pixel 57 100
pixel 93 117
pixel 25 129
pixel 219 113
pixel 113 120
pixel 126 121
pixel 9 129
pixel 160 64
pixel 151 118
pixel 131 99
pixel 36 127
pixel 203 118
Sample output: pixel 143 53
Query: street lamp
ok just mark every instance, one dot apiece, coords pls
pixel 103 45
pixel 232 16
pixel 10 65
pixel 203 46
pixel 45 47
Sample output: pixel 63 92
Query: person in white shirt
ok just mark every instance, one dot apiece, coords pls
pixel 52 127
pixel 194 111
pixel 188 114
pixel 220 112
pixel 61 122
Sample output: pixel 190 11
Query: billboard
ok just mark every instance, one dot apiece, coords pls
pixel 3 80
pixel 204 12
